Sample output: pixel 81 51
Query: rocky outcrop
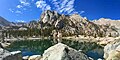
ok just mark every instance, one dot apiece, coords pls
pixel 63 52
pixel 73 25
pixel 112 50
pixel 6 55
pixel 32 24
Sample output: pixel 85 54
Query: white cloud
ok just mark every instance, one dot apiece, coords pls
pixel 70 11
pixel 43 5
pixel 11 10
pixel 19 6
pixel 20 21
pixel 24 3
pixel 67 6
pixel 61 6
pixel 81 12
pixel 18 12
pixel 47 7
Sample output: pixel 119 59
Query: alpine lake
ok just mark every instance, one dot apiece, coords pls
pixel 37 47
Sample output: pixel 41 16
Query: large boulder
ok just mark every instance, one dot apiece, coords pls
pixel 112 50
pixel 63 52
pixel 6 55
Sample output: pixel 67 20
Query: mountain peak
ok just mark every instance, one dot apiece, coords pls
pixel 49 15
pixel 71 24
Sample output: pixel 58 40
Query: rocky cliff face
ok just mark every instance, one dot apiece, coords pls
pixel 73 25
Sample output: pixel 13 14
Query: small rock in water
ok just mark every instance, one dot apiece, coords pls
pixel 99 59
pixel 15 52
pixel 25 57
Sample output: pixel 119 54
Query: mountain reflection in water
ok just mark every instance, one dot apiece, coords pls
pixel 33 47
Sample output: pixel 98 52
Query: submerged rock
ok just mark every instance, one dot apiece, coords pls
pixel 63 52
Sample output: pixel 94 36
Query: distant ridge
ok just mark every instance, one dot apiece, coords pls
pixel 4 22
pixel 103 21
pixel 114 23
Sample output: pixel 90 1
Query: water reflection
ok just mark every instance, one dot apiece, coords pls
pixel 32 47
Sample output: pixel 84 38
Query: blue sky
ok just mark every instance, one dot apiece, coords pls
pixel 27 10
